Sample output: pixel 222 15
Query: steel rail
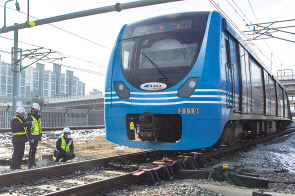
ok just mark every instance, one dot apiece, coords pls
pixel 67 168
pixel 61 128
pixel 100 186
pixel 252 142
pixel 109 184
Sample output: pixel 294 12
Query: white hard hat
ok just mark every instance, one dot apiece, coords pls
pixel 21 110
pixel 66 130
pixel 35 106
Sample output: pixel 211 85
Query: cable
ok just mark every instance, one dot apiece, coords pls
pixel 242 12
pixel 272 53
pixel 5 51
pixel 241 32
pixel 78 58
pixel 236 11
pixel 64 30
pixel 253 10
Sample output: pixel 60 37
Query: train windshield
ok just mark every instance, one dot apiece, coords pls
pixel 162 50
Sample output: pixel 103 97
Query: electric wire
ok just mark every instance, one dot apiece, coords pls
pixel 78 58
pixel 79 36
pixel 241 32
pixel 272 53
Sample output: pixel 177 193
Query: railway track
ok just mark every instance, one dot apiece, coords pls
pixel 102 175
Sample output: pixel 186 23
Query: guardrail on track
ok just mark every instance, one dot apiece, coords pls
pixel 61 128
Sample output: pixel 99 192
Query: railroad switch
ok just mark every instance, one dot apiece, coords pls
pixel 233 173
pixel 168 171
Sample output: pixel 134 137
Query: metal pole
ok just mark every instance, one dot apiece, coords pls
pixel 117 7
pixel 5 12
pixel 28 12
pixel 15 69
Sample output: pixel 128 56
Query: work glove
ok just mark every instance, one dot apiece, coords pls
pixel 32 140
pixel 33 123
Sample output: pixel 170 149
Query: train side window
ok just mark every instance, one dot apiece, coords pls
pixel 267 93
pixel 273 100
pixel 235 70
pixel 280 100
pixel 249 79
pixel 286 104
pixel 257 88
pixel 243 80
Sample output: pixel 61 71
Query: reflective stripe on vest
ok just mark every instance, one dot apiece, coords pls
pixel 36 129
pixel 25 128
pixel 64 144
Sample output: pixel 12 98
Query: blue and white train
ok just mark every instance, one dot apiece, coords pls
pixel 188 81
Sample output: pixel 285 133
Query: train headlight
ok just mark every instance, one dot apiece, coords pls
pixel 121 89
pixel 188 88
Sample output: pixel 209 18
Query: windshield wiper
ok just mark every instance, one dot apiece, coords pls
pixel 156 66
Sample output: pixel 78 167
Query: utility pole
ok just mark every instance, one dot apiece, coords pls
pixel 15 68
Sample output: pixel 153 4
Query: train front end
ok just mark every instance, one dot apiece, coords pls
pixel 164 86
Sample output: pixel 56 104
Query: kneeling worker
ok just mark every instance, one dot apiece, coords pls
pixel 64 147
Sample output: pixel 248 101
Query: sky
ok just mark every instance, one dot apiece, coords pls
pixel 99 32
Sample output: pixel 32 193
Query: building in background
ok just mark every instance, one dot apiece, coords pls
pixel 38 82
pixel 6 81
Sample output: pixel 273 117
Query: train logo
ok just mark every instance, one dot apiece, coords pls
pixel 153 86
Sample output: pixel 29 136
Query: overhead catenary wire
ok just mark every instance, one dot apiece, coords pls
pixel 272 53
pixel 239 30
pixel 78 58
pixel 79 36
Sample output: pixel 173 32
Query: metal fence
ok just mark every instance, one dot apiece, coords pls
pixel 58 117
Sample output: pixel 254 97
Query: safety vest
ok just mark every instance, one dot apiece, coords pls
pixel 25 128
pixel 36 129
pixel 64 144
pixel 132 126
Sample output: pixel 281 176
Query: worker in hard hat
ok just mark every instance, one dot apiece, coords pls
pixel 34 133
pixel 19 127
pixel 64 146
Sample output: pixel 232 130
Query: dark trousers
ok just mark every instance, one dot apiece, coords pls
pixel 32 153
pixel 64 156
pixel 18 154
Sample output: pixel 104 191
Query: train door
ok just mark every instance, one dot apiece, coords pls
pixel 235 71
pixel 229 72
pixel 245 81
pixel 233 74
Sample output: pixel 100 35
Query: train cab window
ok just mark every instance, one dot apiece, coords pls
pixel 257 88
pixel 166 53
pixel 127 53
